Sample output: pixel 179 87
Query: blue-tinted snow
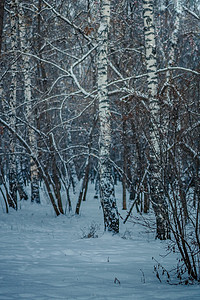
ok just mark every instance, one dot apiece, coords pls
pixel 43 257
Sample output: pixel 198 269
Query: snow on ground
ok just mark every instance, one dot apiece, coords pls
pixel 43 257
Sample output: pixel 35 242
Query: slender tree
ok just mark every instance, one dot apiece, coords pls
pixel 107 194
pixel 13 104
pixel 24 33
pixel 1 21
pixel 157 191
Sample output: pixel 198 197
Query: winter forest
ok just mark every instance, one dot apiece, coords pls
pixel 100 121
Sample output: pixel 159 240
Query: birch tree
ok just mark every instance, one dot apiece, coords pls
pixel 13 103
pixel 107 194
pixel 157 193
pixel 26 62
pixel 1 21
pixel 174 37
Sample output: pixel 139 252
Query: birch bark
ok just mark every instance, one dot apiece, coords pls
pixel 107 194
pixel 174 37
pixel 157 193
pixel 1 21
pixel 12 114
pixel 178 5
pixel 35 195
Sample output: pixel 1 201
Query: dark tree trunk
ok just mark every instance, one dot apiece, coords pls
pixel 2 2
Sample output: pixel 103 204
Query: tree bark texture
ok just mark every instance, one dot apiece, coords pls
pixel 107 195
pixel 157 192
pixel 2 2
pixel 12 103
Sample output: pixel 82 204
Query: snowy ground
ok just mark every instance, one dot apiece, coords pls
pixel 43 257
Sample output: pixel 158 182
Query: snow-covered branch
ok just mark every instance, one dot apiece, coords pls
pixel 178 69
pixel 78 29
pixel 191 13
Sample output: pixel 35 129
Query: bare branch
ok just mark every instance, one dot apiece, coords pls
pixel 178 69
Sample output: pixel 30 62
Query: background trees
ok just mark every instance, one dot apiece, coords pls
pixel 51 121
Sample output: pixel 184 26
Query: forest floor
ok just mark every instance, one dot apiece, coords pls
pixel 43 257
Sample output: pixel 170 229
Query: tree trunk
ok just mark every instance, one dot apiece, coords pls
pixel 10 201
pixel 20 181
pixel 55 173
pixel 157 192
pixel 125 152
pixel 174 37
pixel 23 32
pixel 84 186
pixel 12 103
pixel 1 22
pixel 107 194
pixel 72 168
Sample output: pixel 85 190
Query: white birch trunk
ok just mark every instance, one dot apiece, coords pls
pixel 174 41
pixel 157 194
pixel 174 37
pixel 107 195
pixel 35 195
